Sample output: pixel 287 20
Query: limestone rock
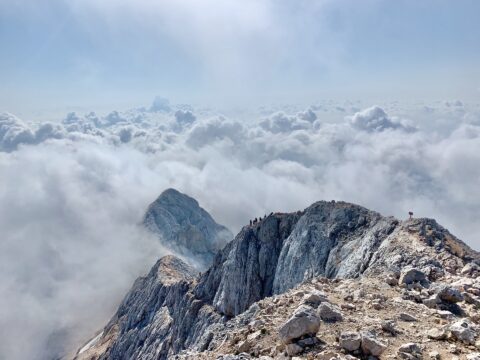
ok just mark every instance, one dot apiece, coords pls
pixel 329 312
pixel 463 331
pixel 436 334
pixel 450 294
pixel 410 351
pixel 293 349
pixel 407 317
pixel 371 345
pixel 304 321
pixel 182 225
pixel 315 297
pixel 410 275
pixel 350 341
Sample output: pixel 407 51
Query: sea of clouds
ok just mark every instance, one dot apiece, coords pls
pixel 72 192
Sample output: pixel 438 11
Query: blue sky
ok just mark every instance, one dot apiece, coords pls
pixel 58 55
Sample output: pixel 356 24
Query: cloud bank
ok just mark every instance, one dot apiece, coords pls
pixel 73 192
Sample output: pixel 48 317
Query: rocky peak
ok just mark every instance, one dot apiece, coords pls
pixel 327 256
pixel 185 227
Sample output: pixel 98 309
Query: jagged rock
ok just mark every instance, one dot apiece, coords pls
pixel 437 334
pixel 169 311
pixel 350 341
pixel 293 349
pixel 432 301
pixel 182 225
pixel 471 299
pixel 304 321
pixel 371 345
pixel 473 356
pixel 391 280
pixel 315 297
pixel 407 317
pixel 390 327
pixel 244 346
pixel 470 269
pixel 434 355
pixel 325 236
pixel 329 312
pixel 309 341
pixel 463 331
pixel 450 294
pixel 411 275
pixel 410 351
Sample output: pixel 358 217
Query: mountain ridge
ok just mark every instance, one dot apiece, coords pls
pixel 331 240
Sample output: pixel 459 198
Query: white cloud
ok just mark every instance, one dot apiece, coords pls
pixel 282 123
pixel 13 132
pixel 71 197
pixel 375 119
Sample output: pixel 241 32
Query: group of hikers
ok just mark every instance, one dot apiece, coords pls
pixel 257 220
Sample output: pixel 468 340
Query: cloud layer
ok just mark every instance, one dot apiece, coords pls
pixel 72 193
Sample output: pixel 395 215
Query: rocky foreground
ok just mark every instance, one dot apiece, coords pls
pixel 335 281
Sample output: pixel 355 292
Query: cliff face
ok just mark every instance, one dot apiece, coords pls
pixel 164 314
pixel 183 226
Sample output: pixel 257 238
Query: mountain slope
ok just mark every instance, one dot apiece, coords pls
pixel 183 226
pixel 281 252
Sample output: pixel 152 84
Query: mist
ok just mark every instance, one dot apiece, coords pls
pixel 71 199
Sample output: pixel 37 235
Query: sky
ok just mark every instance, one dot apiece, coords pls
pixel 84 54
pixel 247 106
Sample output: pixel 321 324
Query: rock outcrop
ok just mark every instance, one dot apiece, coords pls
pixel 183 226
pixel 287 270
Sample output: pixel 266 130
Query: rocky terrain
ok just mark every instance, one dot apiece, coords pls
pixel 186 228
pixel 335 281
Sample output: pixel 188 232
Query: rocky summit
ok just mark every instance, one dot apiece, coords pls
pixel 335 281
pixel 186 228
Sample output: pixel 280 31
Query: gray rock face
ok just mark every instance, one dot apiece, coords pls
pixel 182 225
pixel 244 271
pixel 159 316
pixel 328 238
pixel 334 239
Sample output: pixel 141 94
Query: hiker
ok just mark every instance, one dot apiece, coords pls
pixel 410 214
pixel 250 222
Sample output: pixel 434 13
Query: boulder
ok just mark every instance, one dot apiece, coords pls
pixel 432 301
pixel 410 351
pixel 371 345
pixel 303 321
pixel 463 331
pixel 293 349
pixel 389 326
pixel 411 275
pixel 350 341
pixel 315 297
pixel 470 269
pixel 329 313
pixel 407 317
pixel 450 294
pixel 436 334
pixel 391 280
